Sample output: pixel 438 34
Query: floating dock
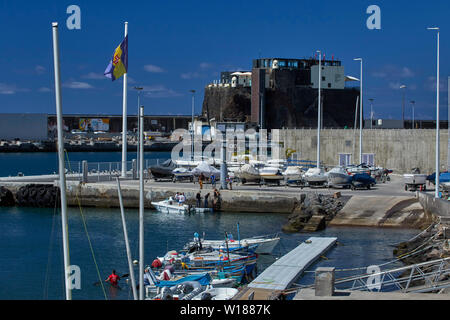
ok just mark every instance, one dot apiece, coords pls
pixel 286 270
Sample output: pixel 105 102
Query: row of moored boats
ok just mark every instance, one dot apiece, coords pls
pixel 206 269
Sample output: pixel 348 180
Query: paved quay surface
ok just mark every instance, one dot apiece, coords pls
pixel 309 294
pixel 395 187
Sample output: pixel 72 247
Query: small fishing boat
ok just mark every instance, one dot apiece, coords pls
pixel 338 176
pixel 207 170
pixel 316 176
pixel 182 174
pixel 362 181
pixel 183 287
pixel 268 173
pixel 171 206
pixel 217 294
pixel 261 245
pixel 359 169
pixel 163 171
pixel 293 174
pixel 247 172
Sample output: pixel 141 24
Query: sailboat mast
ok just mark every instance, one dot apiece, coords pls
pixel 141 203
pixel 62 173
pixel 127 243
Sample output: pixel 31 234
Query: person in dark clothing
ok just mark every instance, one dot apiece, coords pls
pixel 206 200
pixel 199 199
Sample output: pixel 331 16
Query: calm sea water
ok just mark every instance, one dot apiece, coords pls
pixel 31 245
pixel 47 162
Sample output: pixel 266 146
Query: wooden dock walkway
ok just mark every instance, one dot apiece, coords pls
pixel 286 270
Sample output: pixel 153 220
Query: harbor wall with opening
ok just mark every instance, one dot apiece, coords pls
pixel 398 150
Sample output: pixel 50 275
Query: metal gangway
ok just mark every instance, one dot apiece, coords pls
pixel 404 279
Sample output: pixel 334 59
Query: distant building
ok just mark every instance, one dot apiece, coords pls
pixel 281 92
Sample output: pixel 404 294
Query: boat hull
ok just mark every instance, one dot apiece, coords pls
pixel 167 208
pixel 339 179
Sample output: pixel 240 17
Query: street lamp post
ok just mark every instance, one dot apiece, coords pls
pixel 138 89
pixel 403 105
pixel 371 113
pixel 437 116
pixel 413 120
pixel 192 125
pixel 360 108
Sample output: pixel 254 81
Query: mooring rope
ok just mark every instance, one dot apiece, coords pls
pixel 50 251
pixel 83 219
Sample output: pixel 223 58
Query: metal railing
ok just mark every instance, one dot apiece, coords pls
pixel 430 275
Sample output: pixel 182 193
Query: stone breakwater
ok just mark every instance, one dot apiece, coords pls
pixel 313 212
pixel 305 210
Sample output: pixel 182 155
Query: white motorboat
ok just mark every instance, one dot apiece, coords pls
pixel 277 163
pixel 316 176
pixel 248 172
pixel 207 170
pixel 217 294
pixel 264 245
pixel 359 169
pixel 271 173
pixel 338 176
pixel 293 173
pixel 171 206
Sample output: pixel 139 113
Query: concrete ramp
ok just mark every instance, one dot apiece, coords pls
pixel 381 211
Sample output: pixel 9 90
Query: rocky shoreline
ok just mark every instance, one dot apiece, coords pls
pixel 314 212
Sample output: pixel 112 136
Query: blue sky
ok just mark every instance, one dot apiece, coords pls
pixel 176 46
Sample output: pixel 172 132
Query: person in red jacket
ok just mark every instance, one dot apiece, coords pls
pixel 113 278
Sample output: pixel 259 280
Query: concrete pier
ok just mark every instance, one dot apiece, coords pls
pixel 386 205
pixel 286 270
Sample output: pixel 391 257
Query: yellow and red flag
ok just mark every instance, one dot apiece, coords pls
pixel 119 62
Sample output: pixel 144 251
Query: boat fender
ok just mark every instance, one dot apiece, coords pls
pixel 156 263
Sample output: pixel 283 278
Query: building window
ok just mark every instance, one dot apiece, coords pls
pixel 329 85
pixel 345 159
pixel 368 158
pixel 323 78
pixel 282 63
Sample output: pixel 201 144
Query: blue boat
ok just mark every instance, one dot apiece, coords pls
pixel 362 180
pixel 444 177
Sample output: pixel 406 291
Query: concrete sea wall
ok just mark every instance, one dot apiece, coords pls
pixel 399 150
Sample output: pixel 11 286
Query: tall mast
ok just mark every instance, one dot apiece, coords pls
pixel 62 174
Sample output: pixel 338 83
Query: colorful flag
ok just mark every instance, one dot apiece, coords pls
pixel 119 63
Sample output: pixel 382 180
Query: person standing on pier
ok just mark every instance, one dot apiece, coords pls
pixel 206 200
pixel 213 181
pixel 199 199
pixel 200 180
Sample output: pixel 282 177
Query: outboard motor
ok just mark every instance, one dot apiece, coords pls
pixel 206 296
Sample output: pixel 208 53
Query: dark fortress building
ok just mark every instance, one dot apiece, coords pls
pixel 281 93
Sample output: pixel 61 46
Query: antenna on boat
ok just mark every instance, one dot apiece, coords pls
pixel 239 234
pixel 62 174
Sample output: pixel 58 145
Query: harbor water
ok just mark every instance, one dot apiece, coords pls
pixel 31 257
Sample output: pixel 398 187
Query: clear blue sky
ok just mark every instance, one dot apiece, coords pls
pixel 175 46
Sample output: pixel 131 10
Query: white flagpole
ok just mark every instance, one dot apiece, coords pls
pixel 124 120
pixel 62 176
